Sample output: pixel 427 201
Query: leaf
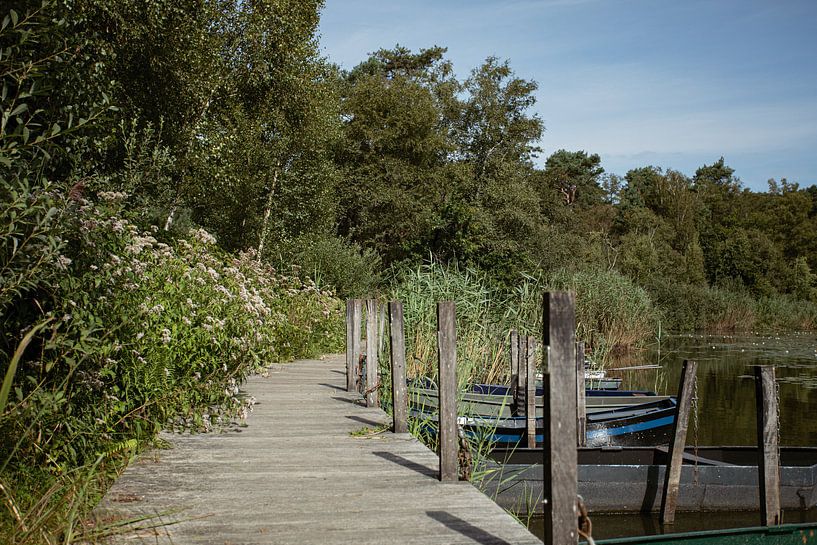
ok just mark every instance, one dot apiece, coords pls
pixel 14 18
pixel 55 129
pixel 19 109
pixel 18 354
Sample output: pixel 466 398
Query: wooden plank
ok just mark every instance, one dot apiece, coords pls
pixel 675 457
pixel 581 404
pixel 530 391
pixel 301 477
pixel 521 388
pixel 768 441
pixel 514 352
pixel 357 315
pixel 372 365
pixel 397 346
pixel 350 357
pixel 447 373
pixel 559 446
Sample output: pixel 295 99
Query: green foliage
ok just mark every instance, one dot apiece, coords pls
pixel 344 267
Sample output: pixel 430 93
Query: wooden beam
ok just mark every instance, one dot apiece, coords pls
pixel 522 375
pixel 559 446
pixel 397 347
pixel 357 314
pixel 581 404
pixel 675 456
pixel 530 390
pixel 768 440
pixel 447 378
pixel 514 352
pixel 350 357
pixel 372 365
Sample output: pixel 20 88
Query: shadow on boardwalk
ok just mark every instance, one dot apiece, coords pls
pixel 297 475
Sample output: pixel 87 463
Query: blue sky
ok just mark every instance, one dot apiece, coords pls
pixel 674 84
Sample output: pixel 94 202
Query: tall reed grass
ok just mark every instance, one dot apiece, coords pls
pixel 612 312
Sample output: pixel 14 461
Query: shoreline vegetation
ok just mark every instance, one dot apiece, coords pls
pixel 188 191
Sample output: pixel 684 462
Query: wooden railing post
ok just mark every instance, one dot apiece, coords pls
pixel 581 405
pixel 675 455
pixel 514 351
pixel 372 395
pixel 522 375
pixel 559 445
pixel 447 376
pixel 353 315
pixel 397 346
pixel 530 391
pixel 768 441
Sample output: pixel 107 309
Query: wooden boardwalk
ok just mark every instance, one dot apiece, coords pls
pixel 295 474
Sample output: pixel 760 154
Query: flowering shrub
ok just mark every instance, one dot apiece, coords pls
pixel 141 334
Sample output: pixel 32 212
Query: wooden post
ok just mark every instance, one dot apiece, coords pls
pixel 768 441
pixel 522 375
pixel 514 370
pixel 677 443
pixel 350 357
pixel 397 346
pixel 530 390
pixel 447 377
pixel 372 397
pixel 559 445
pixel 353 344
pixel 581 405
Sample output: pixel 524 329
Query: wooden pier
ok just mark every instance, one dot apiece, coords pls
pixel 297 474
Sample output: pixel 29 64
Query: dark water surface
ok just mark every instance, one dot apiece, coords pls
pixel 726 390
pixel 726 409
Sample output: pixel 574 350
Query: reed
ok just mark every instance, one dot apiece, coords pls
pixel 613 315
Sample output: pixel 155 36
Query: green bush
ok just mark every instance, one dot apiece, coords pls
pixel 336 264
pixel 136 335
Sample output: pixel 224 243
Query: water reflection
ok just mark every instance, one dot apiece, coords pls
pixel 726 407
pixel 726 410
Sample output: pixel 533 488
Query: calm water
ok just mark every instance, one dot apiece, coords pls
pixel 726 390
pixel 726 409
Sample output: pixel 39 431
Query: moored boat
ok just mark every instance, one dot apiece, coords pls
pixel 625 480
pixel 785 534
pixel 646 424
pixel 490 400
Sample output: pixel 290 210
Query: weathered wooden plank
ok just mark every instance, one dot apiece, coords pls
pixel 768 442
pixel 514 352
pixel 447 373
pixel 530 391
pixel 672 476
pixel 322 487
pixel 357 315
pixel 397 347
pixel 372 365
pixel 559 447
pixel 581 404
pixel 350 357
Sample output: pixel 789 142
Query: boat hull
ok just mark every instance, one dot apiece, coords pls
pixel 632 480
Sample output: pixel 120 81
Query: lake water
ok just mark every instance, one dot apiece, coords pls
pixel 726 409
pixel 726 389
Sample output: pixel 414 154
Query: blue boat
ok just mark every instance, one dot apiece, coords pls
pixel 639 425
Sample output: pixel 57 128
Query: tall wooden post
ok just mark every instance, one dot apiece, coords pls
pixel 522 376
pixel 397 346
pixel 372 365
pixel 559 446
pixel 581 405
pixel 675 456
pixel 353 316
pixel 530 391
pixel 768 441
pixel 350 357
pixel 447 372
pixel 514 370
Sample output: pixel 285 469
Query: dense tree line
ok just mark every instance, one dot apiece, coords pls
pixel 221 113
